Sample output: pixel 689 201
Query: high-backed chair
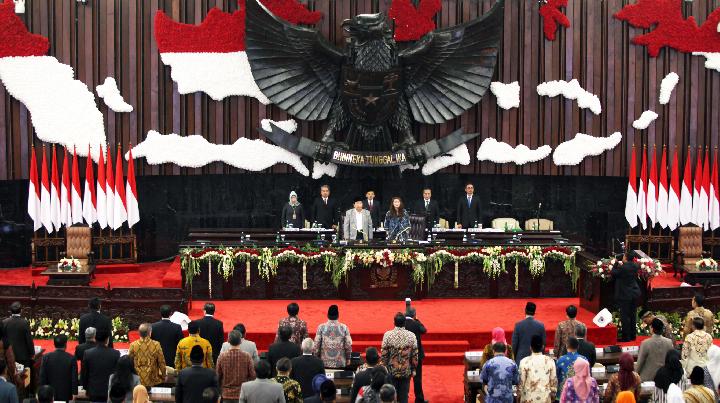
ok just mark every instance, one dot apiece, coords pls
pixel 505 222
pixel 541 224
pixel 78 244
pixel 690 244
pixel 417 226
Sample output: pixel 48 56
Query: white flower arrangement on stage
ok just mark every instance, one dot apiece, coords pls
pixel 706 264
pixel 69 264
pixel 649 268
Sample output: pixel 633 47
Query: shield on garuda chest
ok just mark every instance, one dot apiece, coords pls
pixel 370 97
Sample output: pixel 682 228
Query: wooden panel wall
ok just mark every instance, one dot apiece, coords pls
pixel 115 38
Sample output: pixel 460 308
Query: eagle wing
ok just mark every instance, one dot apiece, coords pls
pixel 295 67
pixel 449 70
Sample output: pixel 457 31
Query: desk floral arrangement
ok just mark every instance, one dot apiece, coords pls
pixel 69 265
pixel 649 268
pixel 47 328
pixel 706 264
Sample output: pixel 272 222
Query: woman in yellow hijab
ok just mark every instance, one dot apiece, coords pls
pixel 625 397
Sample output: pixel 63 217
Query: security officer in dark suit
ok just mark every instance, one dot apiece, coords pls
pixel 17 332
pixel 97 365
pixel 211 330
pixel 468 208
pixel 429 207
pixel 414 325
pixel 59 370
pixel 324 210
pixel 373 206
pixel 192 381
pixel 168 334
pixel 626 293
pixel 95 319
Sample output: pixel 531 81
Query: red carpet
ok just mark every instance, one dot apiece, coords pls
pixel 666 280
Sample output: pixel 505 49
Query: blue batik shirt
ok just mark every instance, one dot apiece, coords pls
pixel 565 368
pixel 500 374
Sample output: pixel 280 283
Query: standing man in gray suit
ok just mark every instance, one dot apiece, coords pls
pixel 8 392
pixel 524 331
pixel 652 352
pixel 262 389
pixel 358 222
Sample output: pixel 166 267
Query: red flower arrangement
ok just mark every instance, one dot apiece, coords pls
pixel 15 40
pixel 552 16
pixel 412 23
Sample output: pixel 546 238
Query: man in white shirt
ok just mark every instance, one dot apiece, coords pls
pixel 358 223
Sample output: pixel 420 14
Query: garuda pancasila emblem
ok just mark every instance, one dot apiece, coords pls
pixel 371 90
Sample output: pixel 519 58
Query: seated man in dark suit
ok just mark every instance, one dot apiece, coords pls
pixel 367 372
pixel 192 381
pixel 95 319
pixel 305 367
pixel 59 370
pixel 90 342
pixel 524 331
pixel 283 348
pixel 97 365
pixel 8 392
pixel 17 332
pixel 212 330
pixel 429 207
pixel 168 334
pixel 585 348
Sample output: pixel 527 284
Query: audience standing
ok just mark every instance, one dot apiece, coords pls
pixel 212 330
pixel 234 367
pixel 366 372
pixel 298 326
pixel 59 370
pixel 698 392
pixel 245 344
pixel 695 347
pixel 97 365
pixel 291 387
pixel 370 393
pixel 400 356
pixel 8 392
pixel 182 356
pixel 524 331
pixel 89 343
pixel 333 343
pixel 388 394
pixel 698 311
pixel 565 329
pixel 262 389
pixel 95 319
pixel 149 358
pixel 307 366
pixel 499 375
pixel 538 379
pixel 652 352
pixel 283 348
pixel 6 354
pixel 672 373
pixel 168 334
pixel 46 394
pixel 413 324
pixel 17 332
pixel 712 369
pixel 565 363
pixel 124 378
pixel 581 387
pixel 496 336
pixel 326 393
pixel 193 380
pixel 585 348
pixel 626 379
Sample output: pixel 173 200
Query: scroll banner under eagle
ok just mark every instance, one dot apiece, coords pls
pixel 371 90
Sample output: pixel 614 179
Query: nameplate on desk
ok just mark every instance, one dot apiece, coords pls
pixel 648 384
pixel 123 351
pixel 630 349
pixel 598 370
pixel 330 375
pixel 160 391
pixel 473 375
pixel 473 355
pixel 599 350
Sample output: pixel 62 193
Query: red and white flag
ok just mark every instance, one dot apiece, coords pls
pixel 89 200
pixel 662 201
pixel 652 193
pixel 673 209
pixel 703 219
pixel 109 191
pixel 34 193
pixel 133 212
pixel 697 185
pixel 715 195
pixel 686 193
pixel 75 191
pixel 120 214
pixel 631 199
pixel 55 192
pixel 100 195
pixel 65 201
pixel 45 216
pixel 642 192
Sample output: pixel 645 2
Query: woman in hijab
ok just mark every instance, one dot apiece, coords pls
pixel 580 388
pixel 625 380
pixel 292 213
pixel 671 373
pixel 498 336
pixel 140 395
pixel 711 370
pixel 625 397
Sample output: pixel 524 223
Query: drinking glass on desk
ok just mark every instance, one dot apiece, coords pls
pixel 282 237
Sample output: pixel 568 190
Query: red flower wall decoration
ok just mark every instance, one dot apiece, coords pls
pixel 412 23
pixel 15 40
pixel 552 16
pixel 671 29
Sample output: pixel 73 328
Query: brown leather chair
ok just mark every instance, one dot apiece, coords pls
pixel 689 247
pixel 78 244
pixel 417 226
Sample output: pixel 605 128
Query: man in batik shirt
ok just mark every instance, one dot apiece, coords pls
pixel 399 353
pixel 538 380
pixel 291 387
pixel 333 343
pixel 298 326
pixel 565 363
pixel 499 375
pixel 564 330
